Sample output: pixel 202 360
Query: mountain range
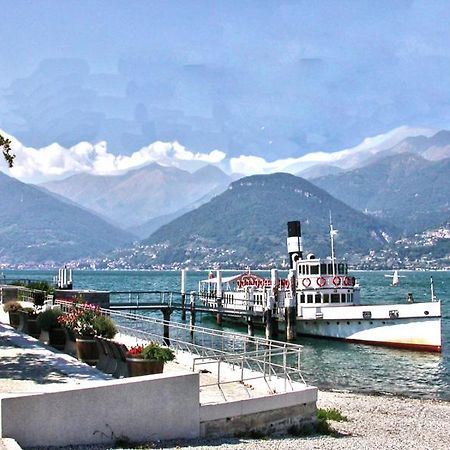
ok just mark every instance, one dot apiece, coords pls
pixel 135 199
pixel 246 225
pixel 380 193
pixel 38 228
pixel 405 189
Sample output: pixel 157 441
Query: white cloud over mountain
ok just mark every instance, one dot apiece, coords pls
pixel 55 161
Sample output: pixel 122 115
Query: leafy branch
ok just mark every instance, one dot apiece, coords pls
pixel 9 156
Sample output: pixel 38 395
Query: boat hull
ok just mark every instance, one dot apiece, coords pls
pixel 413 334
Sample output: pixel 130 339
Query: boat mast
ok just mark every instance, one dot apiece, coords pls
pixel 433 298
pixel 333 232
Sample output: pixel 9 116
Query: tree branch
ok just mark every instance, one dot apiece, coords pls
pixel 9 156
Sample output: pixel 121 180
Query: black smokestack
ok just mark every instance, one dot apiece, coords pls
pixel 294 242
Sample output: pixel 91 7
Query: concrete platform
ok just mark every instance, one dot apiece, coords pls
pixel 34 376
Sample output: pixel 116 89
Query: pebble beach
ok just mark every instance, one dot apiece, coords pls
pixel 374 422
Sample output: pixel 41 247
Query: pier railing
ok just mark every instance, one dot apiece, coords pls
pixel 230 357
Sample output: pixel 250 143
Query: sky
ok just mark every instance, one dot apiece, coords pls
pixel 253 82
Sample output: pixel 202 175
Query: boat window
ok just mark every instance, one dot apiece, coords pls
pixel 302 298
pixel 326 298
pixel 341 269
pixel 330 269
pixel 342 298
pixel 323 269
pixel 334 298
pixel 315 269
pixel 310 298
pixel 351 297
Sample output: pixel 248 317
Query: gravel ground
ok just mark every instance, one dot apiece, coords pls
pixel 374 422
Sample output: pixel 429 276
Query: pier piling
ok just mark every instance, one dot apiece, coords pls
pixel 183 294
pixel 219 297
pixel 250 326
pixel 166 314
pixel 290 303
pixel 268 319
pixel 192 309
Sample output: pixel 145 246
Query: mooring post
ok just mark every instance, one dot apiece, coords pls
pixel 166 314
pixel 275 291
pixel 290 303
pixel 268 306
pixel 192 308
pixel 183 294
pixel 250 303
pixel 219 297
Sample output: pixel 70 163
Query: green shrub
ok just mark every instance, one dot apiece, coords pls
pixel 49 319
pixel 331 414
pixel 154 351
pixel 104 327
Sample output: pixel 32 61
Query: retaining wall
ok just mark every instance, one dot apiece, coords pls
pixel 269 414
pixel 142 409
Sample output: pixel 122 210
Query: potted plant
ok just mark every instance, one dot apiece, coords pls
pixel 104 327
pixel 28 321
pixel 52 332
pixel 147 360
pixel 79 322
pixel 12 308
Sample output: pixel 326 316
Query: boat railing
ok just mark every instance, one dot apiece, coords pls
pixel 228 356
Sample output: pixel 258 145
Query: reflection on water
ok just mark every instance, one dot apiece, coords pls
pixel 326 363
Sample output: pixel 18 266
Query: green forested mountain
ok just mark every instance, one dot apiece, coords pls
pixel 36 227
pixel 406 190
pixel 246 225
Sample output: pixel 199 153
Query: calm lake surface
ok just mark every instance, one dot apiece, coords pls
pixel 326 363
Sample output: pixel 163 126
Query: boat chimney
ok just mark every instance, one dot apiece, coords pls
pixel 294 242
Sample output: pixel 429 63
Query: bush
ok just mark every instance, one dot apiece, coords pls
pixel 331 414
pixel 49 319
pixel 155 352
pixel 104 327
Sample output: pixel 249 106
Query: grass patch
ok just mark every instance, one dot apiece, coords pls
pixel 321 427
pixel 331 414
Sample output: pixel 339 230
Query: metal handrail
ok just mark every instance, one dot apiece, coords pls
pixel 257 357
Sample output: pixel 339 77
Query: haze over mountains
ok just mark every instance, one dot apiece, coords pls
pixel 138 196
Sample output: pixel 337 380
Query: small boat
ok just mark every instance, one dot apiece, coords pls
pixel 395 278
pixel 326 302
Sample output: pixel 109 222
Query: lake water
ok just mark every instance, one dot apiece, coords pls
pixel 326 363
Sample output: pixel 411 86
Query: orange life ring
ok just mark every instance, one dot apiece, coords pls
pixel 321 281
pixel 306 282
pixel 347 281
pixel 337 281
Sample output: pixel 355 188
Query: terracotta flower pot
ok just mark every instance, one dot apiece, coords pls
pixel 14 319
pixel 139 366
pixel 87 350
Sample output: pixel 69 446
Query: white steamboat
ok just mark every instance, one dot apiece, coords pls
pixel 320 298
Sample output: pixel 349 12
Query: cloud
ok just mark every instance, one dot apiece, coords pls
pixel 55 161
pixel 37 164
pixel 347 158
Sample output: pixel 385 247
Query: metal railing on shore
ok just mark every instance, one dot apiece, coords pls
pixel 232 356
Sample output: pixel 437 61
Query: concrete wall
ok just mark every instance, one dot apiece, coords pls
pixel 269 414
pixel 146 408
